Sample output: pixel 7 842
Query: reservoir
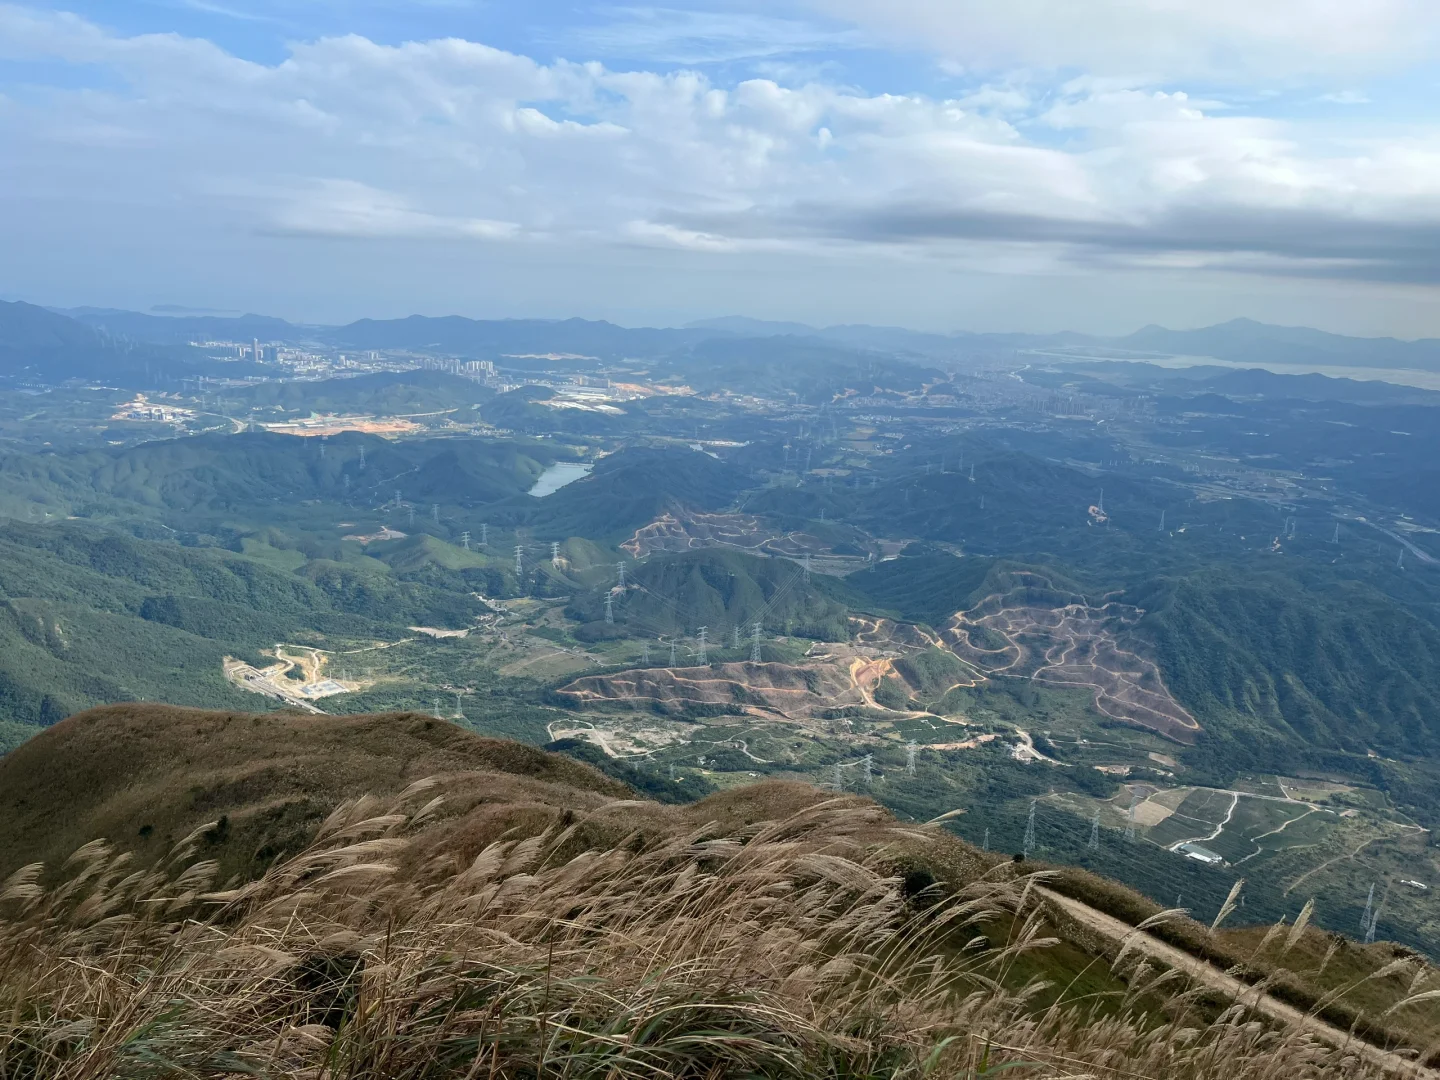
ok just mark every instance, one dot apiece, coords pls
pixel 557 476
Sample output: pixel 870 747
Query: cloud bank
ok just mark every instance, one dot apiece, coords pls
pixel 456 141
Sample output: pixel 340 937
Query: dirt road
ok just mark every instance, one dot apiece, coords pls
pixel 1117 931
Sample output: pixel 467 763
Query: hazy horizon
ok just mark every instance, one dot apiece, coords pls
pixel 935 166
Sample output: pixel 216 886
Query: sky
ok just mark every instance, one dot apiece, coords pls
pixel 947 165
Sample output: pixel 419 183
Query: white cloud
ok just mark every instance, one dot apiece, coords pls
pixel 681 36
pixel 456 141
pixel 1179 38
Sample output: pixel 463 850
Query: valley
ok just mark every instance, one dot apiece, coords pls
pixel 1044 593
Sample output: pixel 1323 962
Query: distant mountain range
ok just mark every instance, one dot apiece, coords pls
pixel 1240 341
pixel 91 342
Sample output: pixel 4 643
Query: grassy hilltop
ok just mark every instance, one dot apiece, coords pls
pixel 475 907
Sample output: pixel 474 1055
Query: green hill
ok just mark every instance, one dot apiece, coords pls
pixel 89 616
pixel 265 475
pixel 626 490
pixel 1340 667
pixel 383 393
pixel 676 594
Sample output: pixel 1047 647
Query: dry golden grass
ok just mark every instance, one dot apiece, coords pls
pixel 143 776
pixel 729 948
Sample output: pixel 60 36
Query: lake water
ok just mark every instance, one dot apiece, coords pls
pixel 557 476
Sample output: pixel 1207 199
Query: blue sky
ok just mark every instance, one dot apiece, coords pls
pixel 948 164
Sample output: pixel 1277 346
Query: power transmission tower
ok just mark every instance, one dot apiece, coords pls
pixel 519 560
pixel 322 440
pixel 868 766
pixel 985 844
pixel 910 758
pixel 465 540
pixel 1130 824
pixel 1369 911
pixel 460 712
pixel 620 569
pixel 412 517
pixel 645 654
pixel 1374 923
pixel 554 552
pixel 397 499
pixel 755 644
pixel 484 535
pixel 610 608
pixel 672 771
pixel 362 459
pixel 1029 843
pixel 672 652
pixel 1095 832
pixel 735 637
pixel 700 652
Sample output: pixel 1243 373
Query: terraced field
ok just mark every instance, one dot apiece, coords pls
pixel 1199 817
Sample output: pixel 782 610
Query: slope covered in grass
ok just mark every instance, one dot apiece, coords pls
pixel 502 912
pixel 144 776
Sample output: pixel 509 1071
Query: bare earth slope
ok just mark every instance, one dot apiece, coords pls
pixel 1028 633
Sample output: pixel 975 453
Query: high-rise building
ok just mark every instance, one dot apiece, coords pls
pixel 255 349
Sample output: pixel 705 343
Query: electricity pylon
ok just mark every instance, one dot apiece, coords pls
pixel 701 654
pixel 910 749
pixel 755 644
pixel 1029 843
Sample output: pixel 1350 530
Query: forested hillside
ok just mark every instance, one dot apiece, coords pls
pixel 674 595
